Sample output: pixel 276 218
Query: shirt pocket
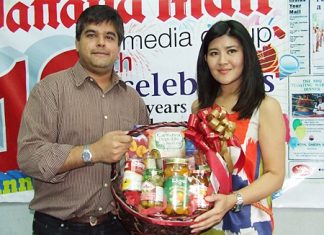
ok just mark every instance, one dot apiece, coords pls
pixel 126 123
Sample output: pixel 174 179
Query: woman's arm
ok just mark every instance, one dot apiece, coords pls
pixel 272 134
pixel 272 144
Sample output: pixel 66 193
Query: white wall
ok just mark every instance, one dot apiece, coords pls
pixel 16 219
pixel 292 221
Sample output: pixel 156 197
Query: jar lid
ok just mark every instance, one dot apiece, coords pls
pixel 155 153
pixel 203 167
pixel 201 172
pixel 177 160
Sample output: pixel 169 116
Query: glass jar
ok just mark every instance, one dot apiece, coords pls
pixel 199 183
pixel 153 160
pixel 133 174
pixel 152 188
pixel 176 186
pixel 176 166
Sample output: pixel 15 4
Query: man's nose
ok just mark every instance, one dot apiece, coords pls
pixel 100 41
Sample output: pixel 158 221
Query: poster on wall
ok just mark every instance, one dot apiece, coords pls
pixel 306 30
pixel 299 36
pixel 307 121
pixel 305 162
pixel 157 58
pixel 317 36
pixel 305 159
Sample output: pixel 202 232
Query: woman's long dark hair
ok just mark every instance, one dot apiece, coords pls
pixel 251 91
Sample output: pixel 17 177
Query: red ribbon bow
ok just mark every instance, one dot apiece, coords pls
pixel 210 130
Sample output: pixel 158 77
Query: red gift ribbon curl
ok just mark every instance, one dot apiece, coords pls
pixel 212 133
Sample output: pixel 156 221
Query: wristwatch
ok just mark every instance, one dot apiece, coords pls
pixel 239 202
pixel 86 155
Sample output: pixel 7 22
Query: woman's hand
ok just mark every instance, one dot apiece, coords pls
pixel 222 204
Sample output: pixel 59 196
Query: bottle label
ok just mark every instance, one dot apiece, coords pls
pixel 176 189
pixel 132 181
pixel 135 165
pixel 199 192
pixel 150 192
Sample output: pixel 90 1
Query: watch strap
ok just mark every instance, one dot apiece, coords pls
pixel 239 202
pixel 86 155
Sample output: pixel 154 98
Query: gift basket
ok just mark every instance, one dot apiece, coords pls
pixel 171 167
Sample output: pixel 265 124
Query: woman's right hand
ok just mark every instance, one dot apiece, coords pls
pixel 222 204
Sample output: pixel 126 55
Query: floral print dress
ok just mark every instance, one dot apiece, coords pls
pixel 255 219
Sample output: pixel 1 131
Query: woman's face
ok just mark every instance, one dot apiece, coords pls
pixel 225 60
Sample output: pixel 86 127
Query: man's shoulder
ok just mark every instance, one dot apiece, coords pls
pixel 57 77
pixel 59 74
pixel 128 89
pixel 54 82
pixel 129 92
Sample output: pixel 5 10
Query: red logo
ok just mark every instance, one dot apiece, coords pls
pixel 301 170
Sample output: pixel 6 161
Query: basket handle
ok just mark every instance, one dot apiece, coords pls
pixel 140 129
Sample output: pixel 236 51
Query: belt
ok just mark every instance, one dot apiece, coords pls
pixel 85 221
pixel 92 220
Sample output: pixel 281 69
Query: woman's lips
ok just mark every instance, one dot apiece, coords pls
pixel 223 71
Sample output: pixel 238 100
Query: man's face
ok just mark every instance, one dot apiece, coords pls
pixel 98 47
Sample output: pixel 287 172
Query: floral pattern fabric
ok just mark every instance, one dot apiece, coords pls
pixel 251 220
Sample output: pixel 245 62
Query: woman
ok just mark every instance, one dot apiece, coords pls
pixel 229 75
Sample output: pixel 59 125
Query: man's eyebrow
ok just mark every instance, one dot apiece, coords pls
pixel 107 33
pixel 112 33
pixel 89 31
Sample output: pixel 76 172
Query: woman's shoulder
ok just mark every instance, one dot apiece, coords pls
pixel 195 106
pixel 269 102
pixel 270 107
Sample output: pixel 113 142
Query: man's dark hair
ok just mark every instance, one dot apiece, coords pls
pixel 98 14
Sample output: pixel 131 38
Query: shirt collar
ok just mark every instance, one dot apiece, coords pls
pixel 80 75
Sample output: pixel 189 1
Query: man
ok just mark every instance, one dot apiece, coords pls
pixel 73 130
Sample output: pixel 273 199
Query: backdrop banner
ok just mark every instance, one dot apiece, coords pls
pixel 158 59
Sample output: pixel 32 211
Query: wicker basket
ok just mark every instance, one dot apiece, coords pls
pixel 137 223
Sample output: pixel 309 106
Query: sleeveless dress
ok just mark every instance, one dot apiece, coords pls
pixel 252 219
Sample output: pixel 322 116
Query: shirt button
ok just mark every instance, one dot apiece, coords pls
pixel 103 95
pixel 91 79
pixel 106 117
pixel 100 209
pixel 105 185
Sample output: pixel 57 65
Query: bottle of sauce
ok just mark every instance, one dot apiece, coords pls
pixel 152 188
pixel 133 174
pixel 199 182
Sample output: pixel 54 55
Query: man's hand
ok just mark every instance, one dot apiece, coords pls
pixel 111 147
